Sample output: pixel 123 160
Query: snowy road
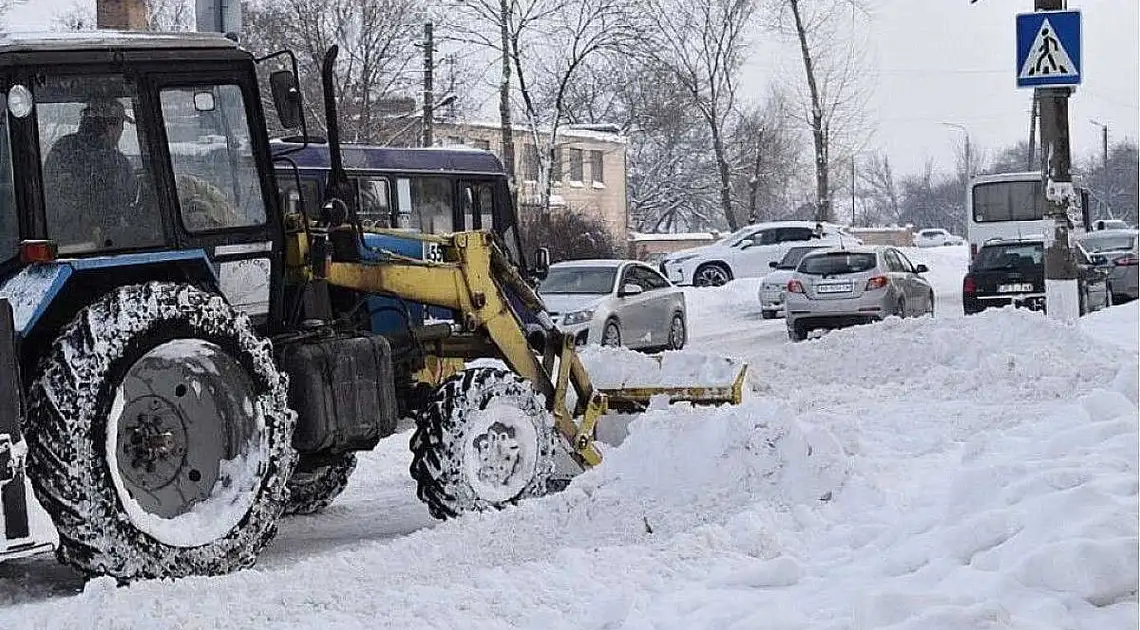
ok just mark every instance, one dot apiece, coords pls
pixel 923 474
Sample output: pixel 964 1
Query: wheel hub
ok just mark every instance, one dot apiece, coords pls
pixel 500 455
pixel 153 439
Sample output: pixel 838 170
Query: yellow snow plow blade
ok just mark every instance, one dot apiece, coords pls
pixel 670 376
pixel 638 398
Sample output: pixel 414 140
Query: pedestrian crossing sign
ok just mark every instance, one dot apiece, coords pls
pixel 1049 49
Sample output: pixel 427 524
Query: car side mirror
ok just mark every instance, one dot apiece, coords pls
pixel 287 98
pixel 746 243
pixel 630 289
pixel 1099 260
pixel 773 263
pixel 921 268
pixel 541 263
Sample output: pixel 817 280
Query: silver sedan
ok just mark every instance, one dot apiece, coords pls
pixel 615 303
pixel 839 287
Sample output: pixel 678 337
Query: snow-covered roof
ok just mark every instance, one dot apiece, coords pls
pixel 563 132
pixel 101 40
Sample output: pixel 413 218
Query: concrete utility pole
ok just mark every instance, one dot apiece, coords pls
pixel 124 15
pixel 1104 180
pixel 1062 295
pixel 218 16
pixel 429 89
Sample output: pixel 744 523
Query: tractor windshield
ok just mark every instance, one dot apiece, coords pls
pixel 98 182
pixel 9 215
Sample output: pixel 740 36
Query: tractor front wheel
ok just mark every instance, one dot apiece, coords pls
pixel 159 437
pixel 485 441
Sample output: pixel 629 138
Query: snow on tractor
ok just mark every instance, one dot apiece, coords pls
pixel 186 355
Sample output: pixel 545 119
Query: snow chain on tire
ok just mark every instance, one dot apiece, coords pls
pixel 313 488
pixel 456 429
pixel 70 407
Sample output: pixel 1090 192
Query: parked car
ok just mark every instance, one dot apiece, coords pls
pixel 773 285
pixel 936 237
pixel 747 252
pixel 1115 251
pixel 615 303
pixel 1012 272
pixel 1111 224
pixel 839 287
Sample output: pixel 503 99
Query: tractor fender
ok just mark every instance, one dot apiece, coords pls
pixel 46 295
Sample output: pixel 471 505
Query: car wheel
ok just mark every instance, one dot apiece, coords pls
pixel 797 333
pixel 611 334
pixel 768 314
pixel 711 275
pixel 677 332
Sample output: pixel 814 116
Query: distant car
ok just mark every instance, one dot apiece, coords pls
pixel 747 252
pixel 1110 224
pixel 773 285
pixel 839 287
pixel 936 237
pixel 1116 251
pixel 1012 272
pixel 615 303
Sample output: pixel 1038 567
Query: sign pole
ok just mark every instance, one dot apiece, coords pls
pixel 1062 295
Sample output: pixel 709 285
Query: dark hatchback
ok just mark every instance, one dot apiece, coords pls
pixel 1012 271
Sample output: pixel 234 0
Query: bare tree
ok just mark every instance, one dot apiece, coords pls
pixel 880 190
pixel 833 96
pixel 765 158
pixel 702 45
pixel 374 80
pixel 162 15
pixel 552 56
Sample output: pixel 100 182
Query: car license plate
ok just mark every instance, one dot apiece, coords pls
pixel 834 288
pixel 1015 288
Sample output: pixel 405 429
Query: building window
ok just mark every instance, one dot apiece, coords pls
pixel 481 144
pixel 596 170
pixel 454 140
pixel 530 163
pixel 556 167
pixel 576 165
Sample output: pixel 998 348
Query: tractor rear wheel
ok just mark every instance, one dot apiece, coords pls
pixel 314 485
pixel 485 441
pixel 159 437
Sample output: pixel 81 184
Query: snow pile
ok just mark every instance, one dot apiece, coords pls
pixel 998 355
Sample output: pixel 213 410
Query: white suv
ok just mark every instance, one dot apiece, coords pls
pixel 748 252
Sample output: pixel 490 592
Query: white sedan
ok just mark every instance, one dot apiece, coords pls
pixel 936 237
pixel 615 303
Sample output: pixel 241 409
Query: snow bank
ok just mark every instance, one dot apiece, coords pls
pixel 995 356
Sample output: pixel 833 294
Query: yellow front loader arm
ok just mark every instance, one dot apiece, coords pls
pixel 471 280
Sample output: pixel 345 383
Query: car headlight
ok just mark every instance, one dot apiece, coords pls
pixel 680 259
pixel 577 317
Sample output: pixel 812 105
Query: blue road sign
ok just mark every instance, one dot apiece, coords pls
pixel 1049 49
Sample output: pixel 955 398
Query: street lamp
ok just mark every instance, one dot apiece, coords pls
pixel 969 172
pixel 1104 169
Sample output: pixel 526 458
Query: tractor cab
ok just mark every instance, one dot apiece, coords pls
pixel 140 150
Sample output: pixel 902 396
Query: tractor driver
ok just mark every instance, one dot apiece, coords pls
pixel 89 183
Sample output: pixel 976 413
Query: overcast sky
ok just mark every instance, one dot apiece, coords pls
pixel 934 61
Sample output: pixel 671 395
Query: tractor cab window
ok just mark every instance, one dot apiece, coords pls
pixel 211 153
pixel 97 182
pixel 9 213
